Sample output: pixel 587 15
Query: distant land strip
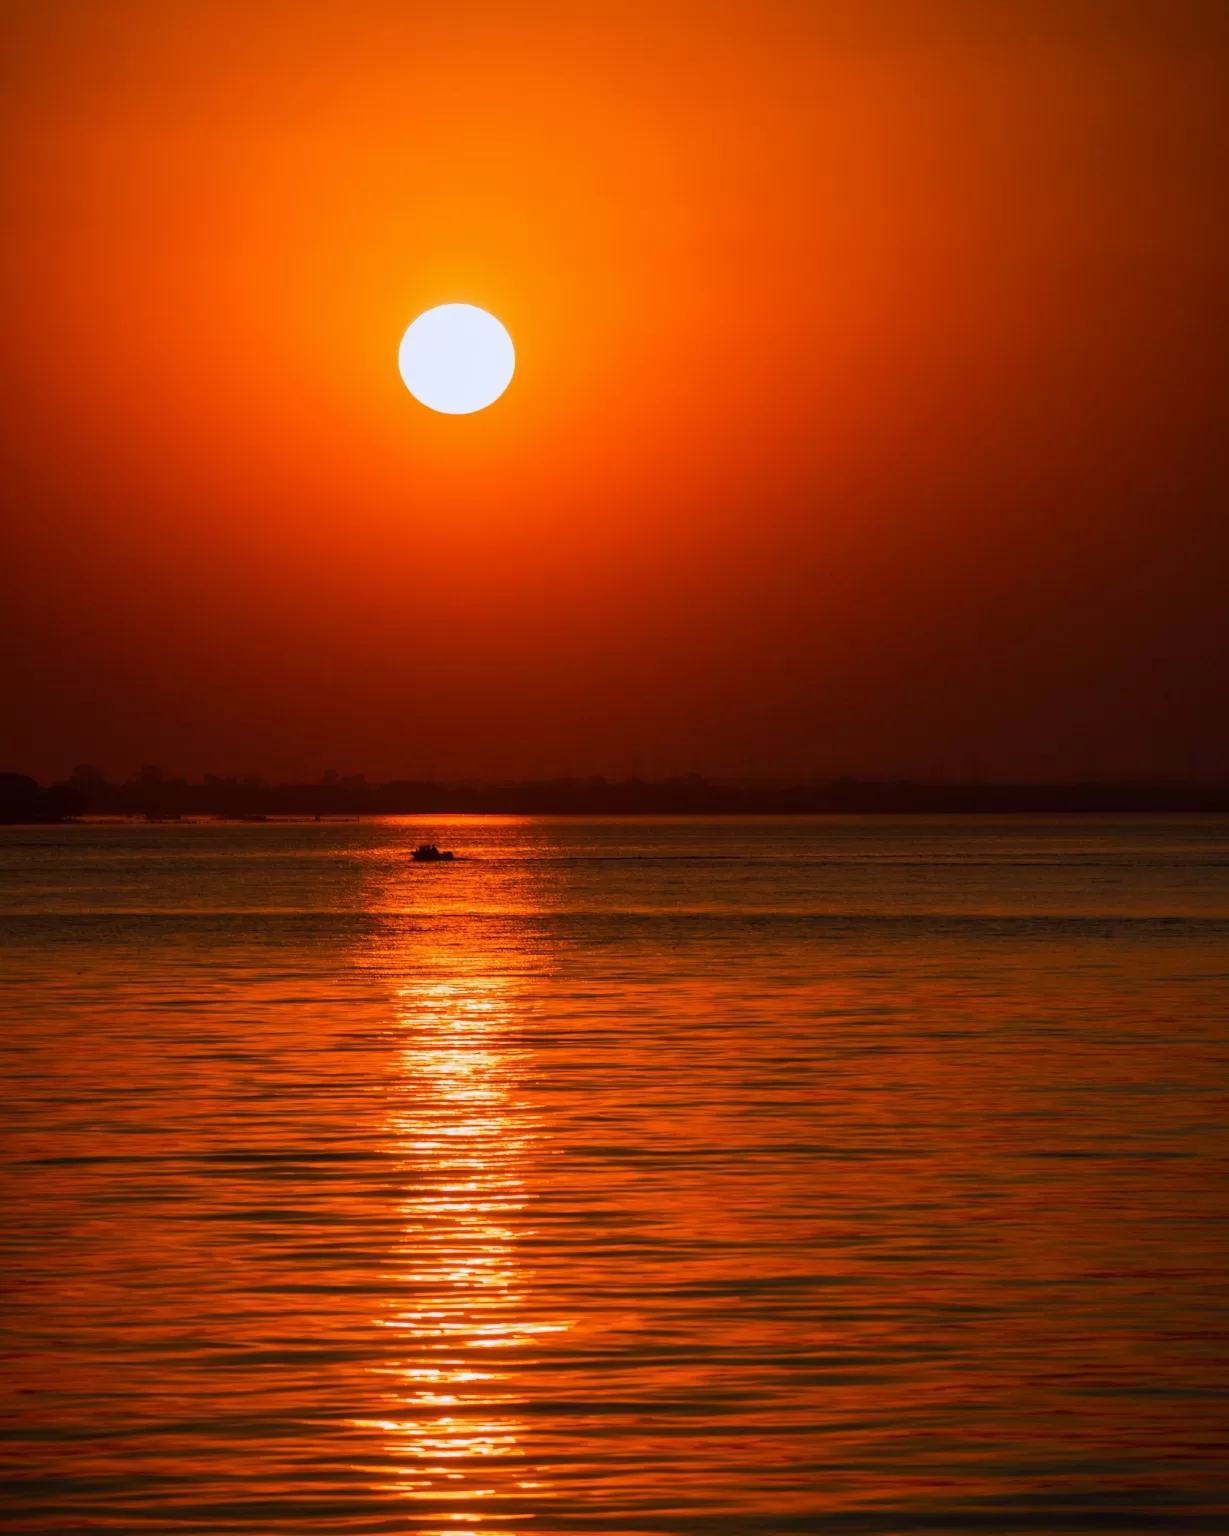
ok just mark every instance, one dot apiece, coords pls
pixel 151 795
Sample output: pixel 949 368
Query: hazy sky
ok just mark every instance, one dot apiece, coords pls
pixel 871 413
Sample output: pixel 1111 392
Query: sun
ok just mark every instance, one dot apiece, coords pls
pixel 457 359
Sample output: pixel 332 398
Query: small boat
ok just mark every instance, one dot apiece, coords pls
pixel 428 853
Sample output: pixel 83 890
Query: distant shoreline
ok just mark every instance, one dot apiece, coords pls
pixel 24 802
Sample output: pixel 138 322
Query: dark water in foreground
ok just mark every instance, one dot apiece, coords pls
pixel 861 1176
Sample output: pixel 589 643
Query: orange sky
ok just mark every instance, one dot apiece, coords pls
pixel 871 411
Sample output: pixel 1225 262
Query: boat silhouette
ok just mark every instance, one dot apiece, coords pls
pixel 428 853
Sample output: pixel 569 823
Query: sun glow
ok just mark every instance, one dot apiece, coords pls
pixel 456 359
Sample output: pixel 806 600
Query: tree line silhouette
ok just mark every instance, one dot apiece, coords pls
pixel 152 794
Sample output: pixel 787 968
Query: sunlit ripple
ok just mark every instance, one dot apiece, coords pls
pixel 347 1196
pixel 460 1295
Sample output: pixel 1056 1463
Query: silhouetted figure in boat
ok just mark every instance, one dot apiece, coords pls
pixel 428 853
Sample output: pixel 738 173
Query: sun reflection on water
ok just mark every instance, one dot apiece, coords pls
pixel 460 1315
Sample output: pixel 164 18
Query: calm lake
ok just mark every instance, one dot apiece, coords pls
pixel 861 1175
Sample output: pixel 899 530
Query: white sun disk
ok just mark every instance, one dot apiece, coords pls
pixel 456 358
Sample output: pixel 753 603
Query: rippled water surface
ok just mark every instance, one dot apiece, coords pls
pixel 850 1175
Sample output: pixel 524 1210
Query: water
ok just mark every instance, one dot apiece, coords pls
pixel 858 1176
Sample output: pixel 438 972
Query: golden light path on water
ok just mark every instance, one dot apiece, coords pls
pixel 465 1141
pixel 641 1178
